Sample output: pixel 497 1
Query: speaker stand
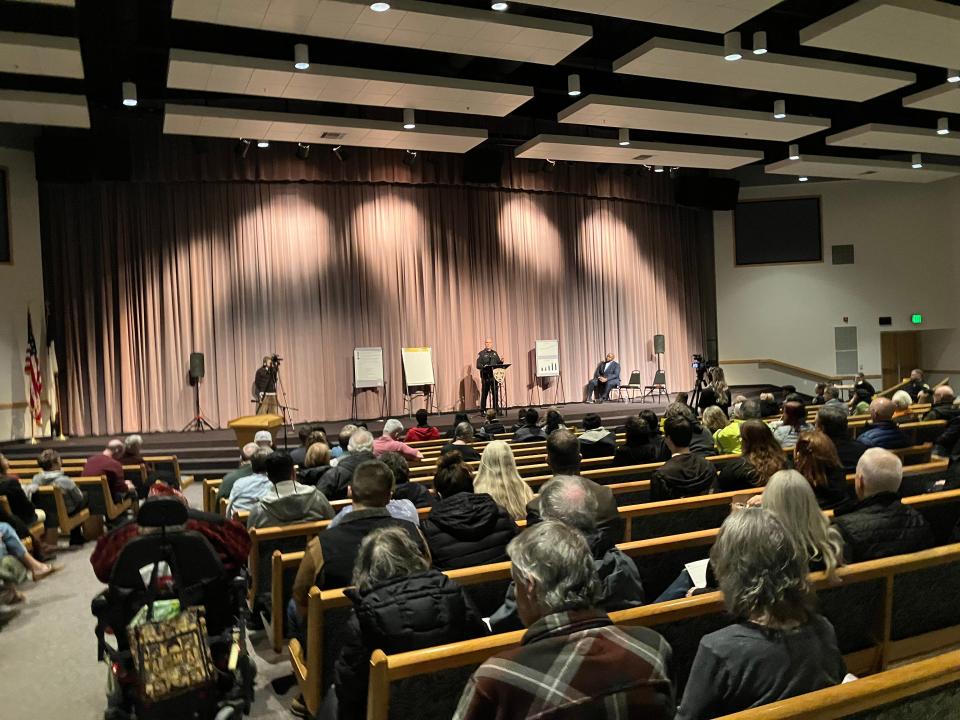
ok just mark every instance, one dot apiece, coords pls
pixel 199 423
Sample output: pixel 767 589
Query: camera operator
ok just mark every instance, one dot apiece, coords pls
pixel 265 386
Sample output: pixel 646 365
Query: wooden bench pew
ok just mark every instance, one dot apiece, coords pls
pixel 36 528
pixel 49 498
pixel 100 499
pixel 167 468
pixel 873 604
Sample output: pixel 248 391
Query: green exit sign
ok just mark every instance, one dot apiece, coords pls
pixel 916 318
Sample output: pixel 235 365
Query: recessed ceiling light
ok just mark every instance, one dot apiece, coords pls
pixel 943 126
pixel 793 152
pixel 130 94
pixel 573 85
pixel 380 6
pixel 760 42
pixel 953 75
pixel 301 56
pixel 916 162
pixel 731 46
pixel 263 143
pixel 499 6
pixel 803 178
pixel 624 139
pixel 779 109
pixel 409 121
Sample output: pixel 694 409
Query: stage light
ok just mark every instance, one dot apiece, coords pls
pixel 301 56
pixel 916 162
pixel 803 178
pixel 953 76
pixel 779 109
pixel 303 150
pixel 380 6
pixel 943 126
pixel 410 157
pixel 129 94
pixel 658 168
pixel 550 165
pixel 263 144
pixel 624 137
pixel 731 46
pixel 409 121
pixel 340 153
pixel 760 42
pixel 243 147
pixel 793 152
pixel 499 6
pixel 573 85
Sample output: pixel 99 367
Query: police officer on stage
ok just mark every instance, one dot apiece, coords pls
pixel 486 359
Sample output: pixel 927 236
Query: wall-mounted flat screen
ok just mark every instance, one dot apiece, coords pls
pixel 778 231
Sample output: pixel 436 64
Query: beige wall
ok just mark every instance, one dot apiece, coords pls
pixel 21 285
pixel 907 245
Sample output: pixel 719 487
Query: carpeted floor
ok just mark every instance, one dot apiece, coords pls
pixel 48 665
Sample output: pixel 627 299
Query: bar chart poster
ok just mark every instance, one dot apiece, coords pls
pixel 548 358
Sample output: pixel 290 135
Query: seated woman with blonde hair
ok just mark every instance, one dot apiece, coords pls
pixel 498 477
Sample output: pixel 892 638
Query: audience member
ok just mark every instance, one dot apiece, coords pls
pixel 779 647
pixel 264 438
pixel 309 435
pixel 946 445
pixel 51 474
pixel 399 508
pixel 399 604
pixel 901 407
pixel 463 436
pixel 701 442
pixel 417 493
pixel 563 457
pixel 596 440
pixel 762 457
pixel 815 457
pixel 916 384
pixel 244 470
pixel 336 480
pixel 521 420
pixel 862 385
pixel 423 430
pixel 390 441
pixel 343 441
pixel 553 422
pixel 11 547
pixel 728 440
pixel 793 422
pixel 568 499
pixel 818 398
pixel 832 397
pixel 316 464
pixel 530 430
pixel 639 447
pixel 685 474
pixel 107 463
pixel 653 422
pixel 290 502
pixel 247 491
pixel 883 431
pixel 12 489
pixel 132 450
pixel 623 667
pixel 498 477
pixel 460 417
pixel 715 393
pixel 833 423
pixel 492 427
pixel 464 528
pixel 925 397
pixel 714 419
pixel 879 525
pixel 769 407
pixel 944 406
pixel 329 558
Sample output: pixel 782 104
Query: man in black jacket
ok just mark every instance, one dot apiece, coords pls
pixel 832 422
pixel 335 481
pixel 492 427
pixel 943 407
pixel 879 525
pixel 596 441
pixel 686 473
pixel 530 431
pixel 701 439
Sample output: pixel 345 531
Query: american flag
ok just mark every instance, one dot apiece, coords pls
pixel 31 368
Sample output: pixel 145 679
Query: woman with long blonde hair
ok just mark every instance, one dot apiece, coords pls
pixel 498 477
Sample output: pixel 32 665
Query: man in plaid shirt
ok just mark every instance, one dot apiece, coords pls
pixel 572 662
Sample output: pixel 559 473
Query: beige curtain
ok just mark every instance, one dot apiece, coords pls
pixel 141 274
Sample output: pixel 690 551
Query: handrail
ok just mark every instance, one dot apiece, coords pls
pixel 795 369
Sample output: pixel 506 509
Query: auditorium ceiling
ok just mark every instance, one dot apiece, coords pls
pixel 860 87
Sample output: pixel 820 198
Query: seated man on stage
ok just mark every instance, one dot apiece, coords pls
pixel 605 378
pixel 265 388
pixel 485 360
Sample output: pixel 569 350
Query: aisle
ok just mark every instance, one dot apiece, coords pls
pixel 48 665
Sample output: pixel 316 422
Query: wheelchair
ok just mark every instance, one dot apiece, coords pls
pixel 198 578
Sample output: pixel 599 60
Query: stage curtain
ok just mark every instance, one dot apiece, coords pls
pixel 139 275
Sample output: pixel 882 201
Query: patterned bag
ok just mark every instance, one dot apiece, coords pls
pixel 171 656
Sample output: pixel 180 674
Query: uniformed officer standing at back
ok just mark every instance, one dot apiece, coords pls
pixel 487 358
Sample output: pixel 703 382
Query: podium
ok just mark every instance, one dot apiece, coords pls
pixel 247 426
pixel 499 373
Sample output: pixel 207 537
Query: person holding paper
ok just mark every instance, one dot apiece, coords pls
pixel 605 378
pixel 486 359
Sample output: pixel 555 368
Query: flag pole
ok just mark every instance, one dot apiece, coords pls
pixel 56 389
pixel 33 433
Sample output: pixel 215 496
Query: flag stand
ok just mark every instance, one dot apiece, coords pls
pixel 33 435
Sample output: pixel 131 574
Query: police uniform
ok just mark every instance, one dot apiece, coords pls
pixel 485 359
